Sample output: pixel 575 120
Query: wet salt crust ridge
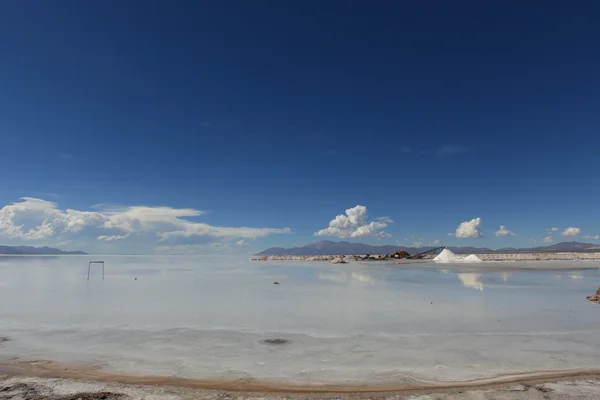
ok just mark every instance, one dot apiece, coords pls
pixel 347 324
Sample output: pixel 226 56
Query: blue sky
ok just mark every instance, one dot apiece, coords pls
pixel 278 116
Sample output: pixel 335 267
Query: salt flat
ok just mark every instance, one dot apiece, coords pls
pixel 355 324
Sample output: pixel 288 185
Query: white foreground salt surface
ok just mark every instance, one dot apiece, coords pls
pixel 205 317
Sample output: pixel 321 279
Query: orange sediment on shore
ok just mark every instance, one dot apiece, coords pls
pixel 51 369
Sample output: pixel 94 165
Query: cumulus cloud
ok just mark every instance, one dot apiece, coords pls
pixel 39 220
pixel 242 243
pixel 469 229
pixel 504 232
pixel 36 219
pixel 354 224
pixel 593 237
pixel 571 231
pixel 548 239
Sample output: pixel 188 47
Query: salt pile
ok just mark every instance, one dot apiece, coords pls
pixel 447 256
pixel 471 258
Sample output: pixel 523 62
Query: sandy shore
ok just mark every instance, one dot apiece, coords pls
pixel 35 388
pixel 32 380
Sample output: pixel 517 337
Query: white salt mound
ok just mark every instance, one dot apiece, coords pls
pixel 471 258
pixel 447 256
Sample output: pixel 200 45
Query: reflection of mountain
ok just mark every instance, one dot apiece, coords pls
pixel 573 276
pixel 576 276
pixel 470 279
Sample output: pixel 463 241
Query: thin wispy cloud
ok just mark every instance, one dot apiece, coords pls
pixel 421 243
pixel 450 149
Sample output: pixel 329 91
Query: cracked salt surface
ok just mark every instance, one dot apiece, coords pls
pixel 208 317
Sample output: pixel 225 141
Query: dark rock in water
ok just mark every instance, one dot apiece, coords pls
pixel 4 339
pixel 596 298
pixel 275 283
pixel 276 341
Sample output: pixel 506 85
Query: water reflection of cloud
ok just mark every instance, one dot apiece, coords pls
pixel 470 279
pixel 505 276
pixel 357 278
pixel 573 276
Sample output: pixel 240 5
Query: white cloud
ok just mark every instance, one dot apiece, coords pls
pixel 450 233
pixel 593 237
pixel 40 220
pixel 469 229
pixel 110 238
pixel 242 243
pixel 354 224
pixel 554 229
pixel 36 219
pixel 548 239
pixel 504 232
pixel 571 231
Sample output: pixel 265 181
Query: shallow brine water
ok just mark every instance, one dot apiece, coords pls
pixel 223 317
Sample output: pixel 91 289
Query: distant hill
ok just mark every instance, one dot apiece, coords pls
pixel 35 250
pixel 558 247
pixel 327 247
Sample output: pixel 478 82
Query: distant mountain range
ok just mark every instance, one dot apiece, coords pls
pixel 327 247
pixel 35 250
